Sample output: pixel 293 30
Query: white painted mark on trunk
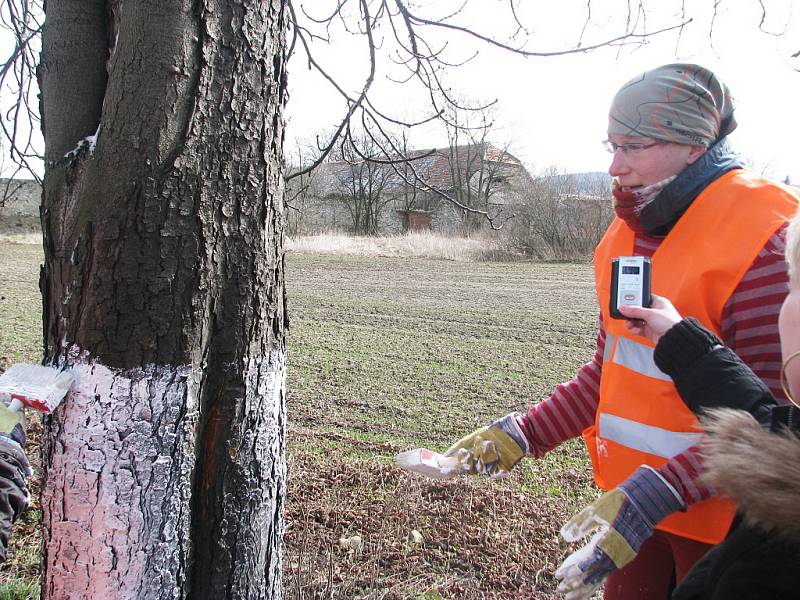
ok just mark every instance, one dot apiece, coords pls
pixel 117 472
pixel 116 496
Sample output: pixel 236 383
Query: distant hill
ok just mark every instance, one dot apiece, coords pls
pixel 590 183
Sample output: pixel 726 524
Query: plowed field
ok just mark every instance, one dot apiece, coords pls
pixel 389 354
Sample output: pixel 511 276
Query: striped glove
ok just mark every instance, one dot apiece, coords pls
pixel 619 522
pixel 493 450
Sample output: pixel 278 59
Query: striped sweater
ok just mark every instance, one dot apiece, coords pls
pixel 749 327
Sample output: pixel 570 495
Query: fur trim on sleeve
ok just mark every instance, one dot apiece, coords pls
pixel 758 470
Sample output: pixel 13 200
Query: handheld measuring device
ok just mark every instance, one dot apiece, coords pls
pixel 630 283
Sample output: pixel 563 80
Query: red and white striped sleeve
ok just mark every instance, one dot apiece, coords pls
pixel 750 318
pixel 569 410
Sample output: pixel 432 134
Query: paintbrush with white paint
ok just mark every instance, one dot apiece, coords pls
pixel 31 386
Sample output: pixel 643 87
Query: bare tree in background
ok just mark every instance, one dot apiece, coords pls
pixel 19 122
pixel 469 174
pixel 561 216
pixel 300 191
pixel 361 183
pixel 410 197
pixel 163 282
pixel 8 185
pixel 479 171
pixel 416 47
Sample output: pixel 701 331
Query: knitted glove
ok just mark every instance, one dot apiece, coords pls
pixel 620 521
pixel 493 450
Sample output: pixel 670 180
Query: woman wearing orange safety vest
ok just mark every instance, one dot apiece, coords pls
pixel 752 452
pixel 714 234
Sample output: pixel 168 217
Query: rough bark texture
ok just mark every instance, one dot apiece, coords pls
pixel 115 514
pixel 163 289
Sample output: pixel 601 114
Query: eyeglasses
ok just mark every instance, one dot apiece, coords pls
pixel 627 149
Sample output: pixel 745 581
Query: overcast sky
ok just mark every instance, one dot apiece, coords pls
pixel 553 111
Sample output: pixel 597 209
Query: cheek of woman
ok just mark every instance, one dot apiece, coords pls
pixel 789 327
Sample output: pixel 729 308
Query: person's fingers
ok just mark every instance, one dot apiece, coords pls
pixel 658 301
pixel 633 312
pixel 636 327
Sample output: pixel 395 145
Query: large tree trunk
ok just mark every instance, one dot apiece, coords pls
pixel 163 291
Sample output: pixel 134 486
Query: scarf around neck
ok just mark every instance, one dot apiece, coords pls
pixel 655 211
pixel 630 202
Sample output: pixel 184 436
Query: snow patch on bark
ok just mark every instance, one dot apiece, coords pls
pixel 116 495
pixel 89 142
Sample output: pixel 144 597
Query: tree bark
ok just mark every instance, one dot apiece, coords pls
pixel 163 291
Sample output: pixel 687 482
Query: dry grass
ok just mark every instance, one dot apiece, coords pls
pixel 20 238
pixel 410 245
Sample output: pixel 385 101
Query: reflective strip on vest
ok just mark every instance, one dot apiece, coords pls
pixel 639 358
pixel 646 438
pixel 608 347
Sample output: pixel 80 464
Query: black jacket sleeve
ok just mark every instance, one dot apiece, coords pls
pixel 709 375
pixel 14 471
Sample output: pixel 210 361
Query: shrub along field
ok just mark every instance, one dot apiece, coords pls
pixel 387 354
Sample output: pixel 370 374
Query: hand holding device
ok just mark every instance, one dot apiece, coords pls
pixel 651 322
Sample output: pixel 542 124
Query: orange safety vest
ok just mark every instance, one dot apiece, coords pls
pixel 641 419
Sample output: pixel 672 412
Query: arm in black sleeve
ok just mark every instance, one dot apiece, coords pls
pixel 709 375
pixel 14 496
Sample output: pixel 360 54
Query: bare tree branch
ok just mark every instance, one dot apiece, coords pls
pixel 23 18
pixel 578 50
pixel 394 28
pixel 424 61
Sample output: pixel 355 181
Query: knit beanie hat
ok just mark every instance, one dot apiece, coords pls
pixel 679 103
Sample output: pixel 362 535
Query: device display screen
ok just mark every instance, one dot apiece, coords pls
pixel 630 270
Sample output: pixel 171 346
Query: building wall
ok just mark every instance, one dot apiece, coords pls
pixel 19 206
pixel 22 197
